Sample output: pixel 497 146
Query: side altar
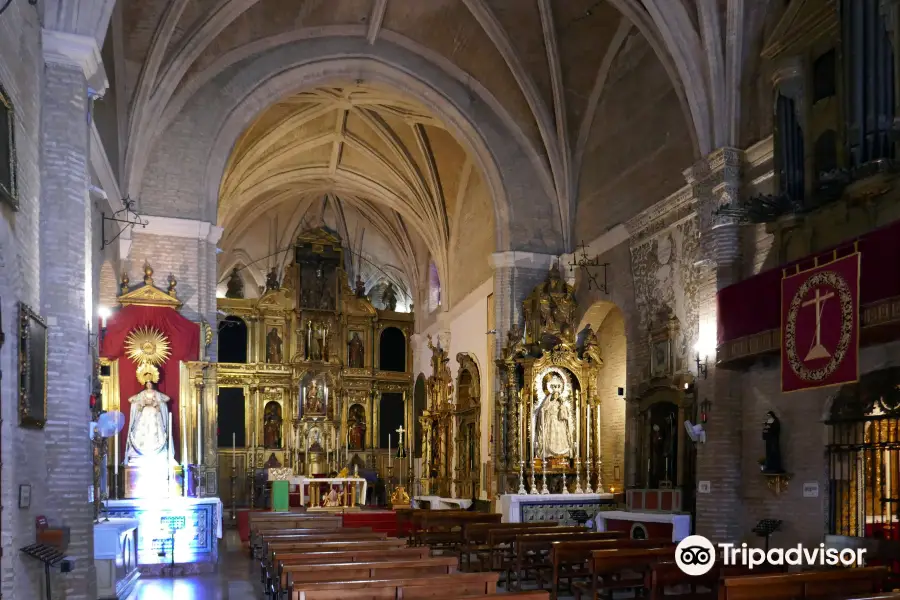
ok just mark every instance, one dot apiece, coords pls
pixel 548 411
pixel 152 360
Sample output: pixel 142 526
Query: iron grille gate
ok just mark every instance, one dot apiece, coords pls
pixel 864 470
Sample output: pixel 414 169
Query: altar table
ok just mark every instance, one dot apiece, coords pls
pixel 654 525
pixel 524 508
pixel 438 503
pixel 186 531
pixel 115 558
pixel 352 496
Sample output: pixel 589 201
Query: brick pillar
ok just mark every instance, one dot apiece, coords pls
pixel 515 275
pixel 66 237
pixel 716 181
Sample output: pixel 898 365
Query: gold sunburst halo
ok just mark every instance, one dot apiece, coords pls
pixel 147 344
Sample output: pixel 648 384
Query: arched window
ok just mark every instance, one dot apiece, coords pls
pixel 232 340
pixel 434 287
pixel 392 350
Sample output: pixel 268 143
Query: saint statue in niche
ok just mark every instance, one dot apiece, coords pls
pixel 389 297
pixel 273 346
pixel 272 425
pixel 771 435
pixel 314 399
pixel 356 351
pixel 357 427
pixel 148 430
pixel 314 344
pixel 554 424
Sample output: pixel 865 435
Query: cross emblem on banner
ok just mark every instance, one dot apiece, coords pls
pixel 817 350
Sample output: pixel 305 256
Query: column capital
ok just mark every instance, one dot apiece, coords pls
pixel 80 51
pixel 183 228
pixel 528 260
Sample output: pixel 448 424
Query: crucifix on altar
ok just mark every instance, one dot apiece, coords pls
pixel 818 350
pixel 401 449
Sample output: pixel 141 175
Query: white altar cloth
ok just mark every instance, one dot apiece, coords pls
pixel 511 504
pixel 108 537
pixel 681 524
pixel 115 557
pixel 438 503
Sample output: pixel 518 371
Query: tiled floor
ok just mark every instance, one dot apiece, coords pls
pixel 236 579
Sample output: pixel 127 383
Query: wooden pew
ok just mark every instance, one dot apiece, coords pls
pixel 667 575
pixel 577 556
pixel 271 541
pixel 533 551
pixel 277 580
pixel 299 575
pixel 441 530
pixel 288 521
pixel 437 587
pixel 608 563
pixel 267 561
pixel 476 537
pixel 834 583
pixel 533 594
pixel 502 543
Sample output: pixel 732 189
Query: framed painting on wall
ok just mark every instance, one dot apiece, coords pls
pixel 32 368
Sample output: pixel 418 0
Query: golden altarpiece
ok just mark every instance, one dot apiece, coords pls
pixel 548 405
pixel 315 375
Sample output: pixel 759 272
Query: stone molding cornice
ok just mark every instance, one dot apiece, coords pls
pixel 652 220
pixel 528 260
pixel 182 228
pixel 76 50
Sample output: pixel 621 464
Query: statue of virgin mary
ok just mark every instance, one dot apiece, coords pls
pixel 148 429
pixel 554 424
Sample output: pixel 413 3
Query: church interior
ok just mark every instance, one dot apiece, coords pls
pixel 447 298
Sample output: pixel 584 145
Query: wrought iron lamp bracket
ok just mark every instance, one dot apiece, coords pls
pixel 585 264
pixel 127 216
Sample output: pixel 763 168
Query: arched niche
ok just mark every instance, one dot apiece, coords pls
pixel 468 427
pixel 392 350
pixel 273 434
pixel 390 419
pixel 419 403
pixel 667 458
pixel 233 338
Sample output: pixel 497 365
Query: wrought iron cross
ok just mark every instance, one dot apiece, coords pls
pixel 585 263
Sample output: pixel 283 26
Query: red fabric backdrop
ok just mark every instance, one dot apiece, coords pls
pixel 835 366
pixel 184 339
pixel 754 304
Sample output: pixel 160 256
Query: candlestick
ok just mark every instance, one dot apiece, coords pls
pixel 534 489
pixel 522 478
pixel 544 488
pixel 578 488
pixel 199 433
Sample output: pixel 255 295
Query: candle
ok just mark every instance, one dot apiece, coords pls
pixel 171 449
pixel 233 444
pixel 116 453
pixel 199 435
pixel 390 458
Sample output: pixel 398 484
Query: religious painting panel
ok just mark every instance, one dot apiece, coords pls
pixel 274 344
pixel 232 411
pixel 356 427
pixel 820 325
pixel 273 425
pixel 233 340
pixel 32 368
pixel 356 349
pixel 392 350
pixel 316 394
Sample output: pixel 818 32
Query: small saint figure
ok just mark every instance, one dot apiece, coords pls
pixel 591 349
pixel 273 347
pixel 360 287
pixel 272 283
pixel 389 297
pixel 356 351
pixel 357 427
pixel 771 434
pixel 314 399
pixel 235 286
pixel 272 425
pixel 272 463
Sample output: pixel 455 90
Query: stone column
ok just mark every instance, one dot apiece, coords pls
pixel 515 275
pixel 70 62
pixel 716 181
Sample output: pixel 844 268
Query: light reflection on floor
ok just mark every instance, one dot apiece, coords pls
pixel 237 579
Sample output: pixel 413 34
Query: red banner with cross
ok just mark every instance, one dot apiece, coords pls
pixel 820 325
